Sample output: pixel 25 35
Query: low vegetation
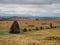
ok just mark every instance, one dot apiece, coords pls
pixel 52 38
pixel 24 30
pixel 37 32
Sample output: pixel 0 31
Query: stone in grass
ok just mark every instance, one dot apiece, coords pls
pixel 15 28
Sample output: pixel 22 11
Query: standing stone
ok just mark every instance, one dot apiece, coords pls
pixel 51 25
pixel 15 28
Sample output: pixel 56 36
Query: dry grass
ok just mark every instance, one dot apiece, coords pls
pixel 29 23
pixel 31 38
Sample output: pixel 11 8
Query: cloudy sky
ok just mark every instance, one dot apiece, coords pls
pixel 30 8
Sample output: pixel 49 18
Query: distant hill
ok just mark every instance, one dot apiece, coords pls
pixel 26 17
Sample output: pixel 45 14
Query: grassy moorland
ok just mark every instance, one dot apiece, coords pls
pixel 47 36
pixel 40 37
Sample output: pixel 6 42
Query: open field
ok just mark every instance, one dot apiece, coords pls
pixel 34 37
pixel 30 23
pixel 40 37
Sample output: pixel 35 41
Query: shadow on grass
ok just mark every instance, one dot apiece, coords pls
pixel 6 32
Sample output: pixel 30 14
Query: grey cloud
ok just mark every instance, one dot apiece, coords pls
pixel 30 1
pixel 42 7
